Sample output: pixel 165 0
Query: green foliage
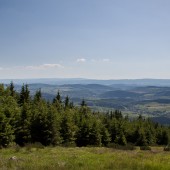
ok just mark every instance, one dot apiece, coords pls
pixel 66 102
pixel 95 134
pixel 11 88
pixel 57 98
pixel 57 102
pixel 83 103
pixel 141 137
pixel 6 131
pixel 24 95
pixel 44 124
pixel 121 139
pixel 37 96
pixel 105 136
pixel 9 114
pixel 68 129
pixel 22 131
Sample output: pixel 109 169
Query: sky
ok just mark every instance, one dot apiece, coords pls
pixel 96 39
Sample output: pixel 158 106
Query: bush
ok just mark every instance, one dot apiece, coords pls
pixel 167 148
pixel 36 145
pixel 122 147
pixel 17 148
pixel 68 144
pixel 145 148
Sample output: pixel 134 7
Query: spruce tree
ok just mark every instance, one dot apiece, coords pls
pixel 37 96
pixel 6 131
pixel 22 95
pixel 141 137
pixel 11 88
pixel 105 136
pixel 68 129
pixel 94 135
pixel 66 102
pixel 83 103
pixel 22 131
pixel 57 102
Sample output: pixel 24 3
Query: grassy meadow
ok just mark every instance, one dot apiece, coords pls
pixel 85 158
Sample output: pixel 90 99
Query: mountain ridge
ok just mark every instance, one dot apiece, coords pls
pixel 61 81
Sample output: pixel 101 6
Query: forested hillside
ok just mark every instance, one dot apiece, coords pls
pixel 25 119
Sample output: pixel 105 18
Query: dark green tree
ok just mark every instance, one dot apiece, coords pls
pixel 120 139
pixel 11 88
pixel 67 102
pixel 24 95
pixel 57 98
pixel 44 127
pixel 105 136
pixel 6 131
pixel 141 139
pixel 94 135
pixel 83 103
pixel 68 129
pixel 22 131
pixel 57 102
pixel 38 96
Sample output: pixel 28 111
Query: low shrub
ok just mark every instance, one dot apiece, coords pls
pixel 17 148
pixel 68 144
pixel 36 145
pixel 122 147
pixel 167 148
pixel 145 148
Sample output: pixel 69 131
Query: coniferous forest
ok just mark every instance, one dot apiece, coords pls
pixel 25 119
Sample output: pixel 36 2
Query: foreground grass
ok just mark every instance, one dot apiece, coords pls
pixel 83 159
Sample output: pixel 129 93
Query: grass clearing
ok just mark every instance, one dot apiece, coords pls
pixel 85 158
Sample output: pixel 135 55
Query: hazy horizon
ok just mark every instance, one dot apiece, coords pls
pixel 91 39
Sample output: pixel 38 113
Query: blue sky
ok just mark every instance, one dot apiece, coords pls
pixel 102 39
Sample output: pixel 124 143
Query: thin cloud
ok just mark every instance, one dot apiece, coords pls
pixel 100 60
pixel 81 60
pixel 44 66
pixel 106 60
pixel 33 67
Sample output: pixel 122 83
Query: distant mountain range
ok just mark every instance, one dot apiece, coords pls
pixel 61 81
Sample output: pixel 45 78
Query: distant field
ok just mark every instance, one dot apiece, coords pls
pixel 93 158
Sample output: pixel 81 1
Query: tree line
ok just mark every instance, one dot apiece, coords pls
pixel 29 119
